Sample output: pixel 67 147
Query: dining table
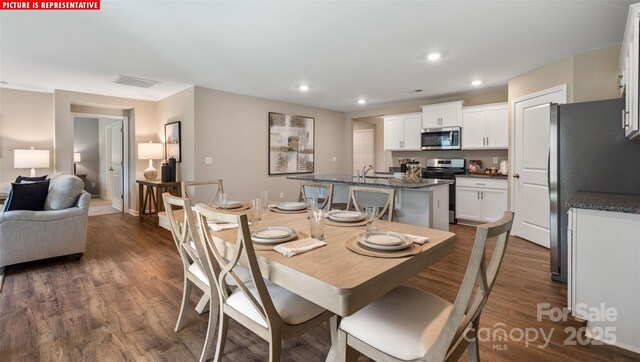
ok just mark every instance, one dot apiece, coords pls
pixel 333 276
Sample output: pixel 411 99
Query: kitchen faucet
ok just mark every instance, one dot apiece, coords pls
pixel 365 169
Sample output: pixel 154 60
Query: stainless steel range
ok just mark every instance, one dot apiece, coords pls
pixel 446 168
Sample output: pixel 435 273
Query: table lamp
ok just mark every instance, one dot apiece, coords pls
pixel 76 159
pixel 150 151
pixel 31 158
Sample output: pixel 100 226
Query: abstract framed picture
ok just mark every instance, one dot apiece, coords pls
pixel 172 141
pixel 291 142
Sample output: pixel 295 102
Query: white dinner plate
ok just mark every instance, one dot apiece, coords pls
pixel 346 216
pixel 384 240
pixel 231 205
pixel 292 206
pixel 274 235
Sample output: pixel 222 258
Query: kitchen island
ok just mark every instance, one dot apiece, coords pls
pixel 424 203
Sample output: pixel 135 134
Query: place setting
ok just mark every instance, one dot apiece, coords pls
pixel 383 244
pixel 231 205
pixel 346 218
pixel 289 207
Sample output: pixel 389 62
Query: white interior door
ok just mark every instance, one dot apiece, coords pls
pixel 362 149
pixel 114 164
pixel 530 188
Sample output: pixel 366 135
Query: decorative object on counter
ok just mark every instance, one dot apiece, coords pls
pixel 165 172
pixel 414 170
pixel 504 167
pixel 291 144
pixel 172 140
pixel 475 166
pixel 172 169
pixel 403 164
pixel 150 151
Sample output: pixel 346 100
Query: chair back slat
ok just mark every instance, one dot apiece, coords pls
pixel 468 305
pixel 242 250
pixel 189 189
pixel 387 208
pixel 326 204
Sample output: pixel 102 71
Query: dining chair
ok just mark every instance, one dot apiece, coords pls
pixel 409 324
pixel 312 189
pixel 188 188
pixel 270 311
pixel 387 208
pixel 191 253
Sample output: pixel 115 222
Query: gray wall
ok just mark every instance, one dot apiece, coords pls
pixel 86 141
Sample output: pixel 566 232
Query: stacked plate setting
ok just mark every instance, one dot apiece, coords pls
pixel 384 240
pixel 229 205
pixel 291 206
pixel 346 216
pixel 274 235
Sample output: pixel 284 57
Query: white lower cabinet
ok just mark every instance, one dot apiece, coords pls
pixel 479 199
pixel 604 275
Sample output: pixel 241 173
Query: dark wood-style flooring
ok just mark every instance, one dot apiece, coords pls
pixel 120 303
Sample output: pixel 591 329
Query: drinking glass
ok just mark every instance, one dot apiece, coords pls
pixel 316 223
pixel 264 199
pixel 312 204
pixel 372 215
pixel 256 210
pixel 222 200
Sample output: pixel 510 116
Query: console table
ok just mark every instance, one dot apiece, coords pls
pixel 150 195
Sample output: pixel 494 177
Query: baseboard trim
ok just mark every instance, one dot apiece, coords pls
pixel 134 212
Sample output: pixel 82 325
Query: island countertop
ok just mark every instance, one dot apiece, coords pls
pixel 605 202
pixel 371 181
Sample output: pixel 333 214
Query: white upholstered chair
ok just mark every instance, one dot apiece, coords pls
pixel 324 193
pixel 385 209
pixel 191 252
pixel 265 308
pixel 409 324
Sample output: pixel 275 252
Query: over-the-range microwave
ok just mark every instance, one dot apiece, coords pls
pixel 447 138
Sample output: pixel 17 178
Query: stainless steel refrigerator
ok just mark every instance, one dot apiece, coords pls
pixel 587 152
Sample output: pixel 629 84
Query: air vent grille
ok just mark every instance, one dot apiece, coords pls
pixel 135 82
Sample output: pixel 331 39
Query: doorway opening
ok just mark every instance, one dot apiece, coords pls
pixel 368 149
pixel 100 161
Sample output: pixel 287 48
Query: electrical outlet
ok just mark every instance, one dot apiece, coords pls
pixel 282 195
pixel 208 160
pixel 495 160
pixel 93 184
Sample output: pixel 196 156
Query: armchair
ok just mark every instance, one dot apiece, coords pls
pixel 61 229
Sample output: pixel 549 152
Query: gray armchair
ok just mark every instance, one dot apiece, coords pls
pixel 59 230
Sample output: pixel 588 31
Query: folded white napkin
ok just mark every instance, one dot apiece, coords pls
pixel 417 239
pixel 219 227
pixel 298 246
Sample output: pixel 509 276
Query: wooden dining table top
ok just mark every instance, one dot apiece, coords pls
pixel 335 277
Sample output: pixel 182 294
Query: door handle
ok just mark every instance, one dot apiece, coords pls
pixel 624 118
pixel 515 175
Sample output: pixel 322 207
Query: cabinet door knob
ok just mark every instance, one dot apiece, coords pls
pixel 515 175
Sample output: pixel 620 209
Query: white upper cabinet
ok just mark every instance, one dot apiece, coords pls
pixel 402 132
pixel 485 127
pixel 442 115
pixel 628 69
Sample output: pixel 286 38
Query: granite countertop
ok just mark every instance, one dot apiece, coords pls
pixel 474 175
pixel 606 202
pixel 374 182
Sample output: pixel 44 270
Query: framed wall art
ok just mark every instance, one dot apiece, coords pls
pixel 291 144
pixel 172 141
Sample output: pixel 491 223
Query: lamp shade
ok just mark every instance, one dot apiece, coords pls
pixel 31 158
pixel 150 151
pixel 76 157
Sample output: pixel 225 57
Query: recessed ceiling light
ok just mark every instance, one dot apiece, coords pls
pixel 476 82
pixel 362 101
pixel 303 87
pixel 434 56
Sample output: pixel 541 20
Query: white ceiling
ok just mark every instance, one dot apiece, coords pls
pixel 343 50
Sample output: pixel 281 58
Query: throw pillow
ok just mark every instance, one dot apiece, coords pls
pixel 28 196
pixel 21 179
pixel 64 192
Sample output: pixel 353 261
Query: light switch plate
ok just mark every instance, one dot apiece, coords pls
pixel 208 160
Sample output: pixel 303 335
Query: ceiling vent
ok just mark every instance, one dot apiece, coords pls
pixel 135 82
